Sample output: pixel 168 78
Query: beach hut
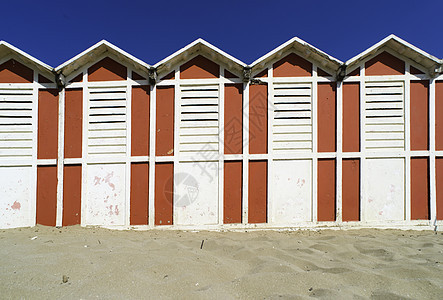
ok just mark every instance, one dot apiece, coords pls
pixel 29 111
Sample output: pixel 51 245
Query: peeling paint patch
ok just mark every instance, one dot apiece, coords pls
pixel 16 205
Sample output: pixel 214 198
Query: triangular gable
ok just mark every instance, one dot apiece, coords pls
pixel 389 55
pixel 13 58
pixel 199 50
pixel 297 51
pixel 100 53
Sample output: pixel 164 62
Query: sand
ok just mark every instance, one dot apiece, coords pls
pixel 105 264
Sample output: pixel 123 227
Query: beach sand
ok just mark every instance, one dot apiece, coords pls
pixel 101 263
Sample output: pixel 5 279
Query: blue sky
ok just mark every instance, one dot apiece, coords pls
pixel 55 31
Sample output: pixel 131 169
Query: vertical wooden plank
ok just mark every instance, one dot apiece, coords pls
pixel 419 115
pixel 72 190
pixel 233 135
pixel 439 181
pixel 232 208
pixel 419 188
pixel 327 111
pixel 164 190
pixel 439 115
pixel 258 184
pixel 46 195
pixel 351 190
pixel 139 193
pixel 140 120
pixel 326 190
pixel 258 119
pixel 165 121
pixel 351 117
pixel 47 124
pixel 73 123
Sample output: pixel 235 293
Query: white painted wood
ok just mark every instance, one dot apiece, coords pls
pixel 314 143
pixel 432 166
pixel 196 193
pixel 105 198
pixel 221 148
pixel 17 196
pixel 128 112
pixel 292 192
pixel 385 200
pixel 245 165
pixel 407 138
pixel 152 142
pixel 339 162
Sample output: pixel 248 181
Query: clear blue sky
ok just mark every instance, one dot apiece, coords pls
pixel 55 31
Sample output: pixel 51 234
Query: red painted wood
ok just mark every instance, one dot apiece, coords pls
pixel 233 129
pixel 139 193
pixel 107 70
pixel 419 115
pixel 257 190
pixel 165 121
pixel 351 117
pixel 72 191
pixel 46 195
pixel 258 119
pixel 351 190
pixel 419 188
pixel 384 64
pixel 47 146
pixel 232 204
pixel 140 121
pixel 164 188
pixel 327 116
pixel 326 190
pixel 73 123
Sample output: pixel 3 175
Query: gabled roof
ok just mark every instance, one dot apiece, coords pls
pixel 304 49
pixel 6 49
pixel 200 46
pixel 93 53
pixel 400 46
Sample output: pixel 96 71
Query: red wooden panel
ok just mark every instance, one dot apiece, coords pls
pixel 72 194
pixel 384 64
pixel 257 190
pixel 136 76
pixel 165 121
pixel 232 194
pixel 419 115
pixel 292 66
pixel 47 124
pixel 46 195
pixel 439 181
pixel 351 190
pixel 140 121
pixel 199 67
pixel 164 188
pixel 439 115
pixel 139 193
pixel 419 188
pixel 258 119
pixel 327 108
pixel 326 190
pixel 73 123
pixel 107 70
pixel 43 79
pixel 169 76
pixel 229 75
pixel 233 129
pixel 351 117
pixel 14 72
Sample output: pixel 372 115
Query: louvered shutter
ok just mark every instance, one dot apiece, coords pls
pixel 199 121
pixel 16 130
pixel 292 123
pixel 384 116
pixel 107 121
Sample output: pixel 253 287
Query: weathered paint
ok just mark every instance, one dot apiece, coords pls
pixel 14 72
pixel 326 190
pixel 165 121
pixel 105 197
pixel 47 124
pixel 351 190
pixel 257 190
pixel 196 203
pixel 439 181
pixel 73 123
pixel 292 66
pixel 351 117
pixel 198 68
pixel 72 191
pixel 258 119
pixel 233 124
pixel 292 201
pixel 107 69
pixel 419 115
pixel 327 111
pixel 419 188
pixel 385 200
pixel 439 115
pixel 46 195
pixel 232 192
pixel 164 191
pixel 384 64
pixel 15 197
pixel 140 120
pixel 139 193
